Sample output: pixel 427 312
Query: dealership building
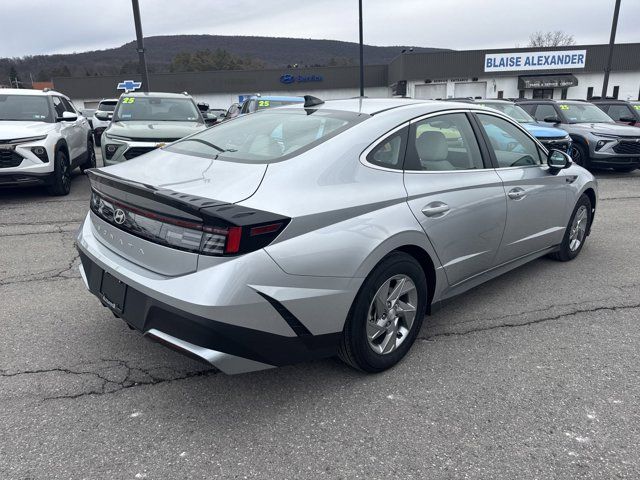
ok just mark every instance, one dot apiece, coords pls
pixel 558 72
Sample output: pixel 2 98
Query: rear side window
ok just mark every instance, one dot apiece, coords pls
pixel 442 143
pixel 107 106
pixel 389 153
pixel 512 147
pixel 267 136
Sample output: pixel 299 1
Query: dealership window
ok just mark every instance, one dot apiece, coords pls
pixel 616 91
pixel 442 143
pixel 521 94
pixel 589 93
pixel 543 93
pixel 500 94
pixel 563 95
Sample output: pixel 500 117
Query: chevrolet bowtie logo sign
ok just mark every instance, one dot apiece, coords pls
pixel 129 85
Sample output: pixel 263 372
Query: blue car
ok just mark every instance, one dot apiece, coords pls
pixel 551 138
pixel 258 102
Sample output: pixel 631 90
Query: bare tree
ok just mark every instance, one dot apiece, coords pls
pixel 551 39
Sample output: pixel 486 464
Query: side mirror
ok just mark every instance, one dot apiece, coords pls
pixel 68 117
pixel 203 107
pixel 104 116
pixel 551 120
pixel 630 120
pixel 558 160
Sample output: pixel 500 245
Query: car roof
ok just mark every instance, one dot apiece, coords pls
pixel 28 91
pixel 104 100
pixel 551 101
pixel 277 98
pixel 156 95
pixel 373 106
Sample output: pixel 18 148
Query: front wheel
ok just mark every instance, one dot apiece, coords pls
pixel 386 315
pixel 90 162
pixel 576 233
pixel 61 181
pixel 579 155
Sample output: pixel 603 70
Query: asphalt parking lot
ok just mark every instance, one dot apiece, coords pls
pixel 535 375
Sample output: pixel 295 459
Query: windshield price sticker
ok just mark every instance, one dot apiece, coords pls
pixel 564 107
pixel 128 100
pixel 637 107
pixel 263 103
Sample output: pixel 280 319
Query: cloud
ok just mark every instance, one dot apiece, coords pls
pixel 42 26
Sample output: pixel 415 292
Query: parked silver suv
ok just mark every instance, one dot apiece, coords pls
pixel 307 231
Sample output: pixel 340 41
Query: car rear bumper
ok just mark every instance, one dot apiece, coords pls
pixel 240 315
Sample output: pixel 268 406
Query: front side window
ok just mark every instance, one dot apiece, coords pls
pixel 513 111
pixel 68 106
pixel 512 147
pixel 442 143
pixel 267 136
pixel 156 109
pixel 25 108
pixel 545 111
pixel 58 106
pixel 619 111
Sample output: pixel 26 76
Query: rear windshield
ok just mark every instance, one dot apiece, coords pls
pixel 25 108
pixel 513 111
pixel 267 136
pixel 584 113
pixel 156 109
pixel 107 106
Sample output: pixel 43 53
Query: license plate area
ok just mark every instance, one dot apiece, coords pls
pixel 113 292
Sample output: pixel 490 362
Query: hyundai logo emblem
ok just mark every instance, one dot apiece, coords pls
pixel 287 78
pixel 119 216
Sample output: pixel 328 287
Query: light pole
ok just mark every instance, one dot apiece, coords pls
pixel 612 40
pixel 140 42
pixel 361 50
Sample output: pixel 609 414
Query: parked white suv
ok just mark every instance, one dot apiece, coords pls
pixel 102 118
pixel 42 139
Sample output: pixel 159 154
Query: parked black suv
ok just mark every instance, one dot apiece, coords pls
pixel 598 142
pixel 622 111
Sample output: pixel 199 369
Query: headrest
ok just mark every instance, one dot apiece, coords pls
pixel 432 146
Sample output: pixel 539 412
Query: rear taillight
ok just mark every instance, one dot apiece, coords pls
pixel 204 238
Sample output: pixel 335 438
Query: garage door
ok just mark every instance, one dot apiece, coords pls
pixel 470 89
pixel 438 90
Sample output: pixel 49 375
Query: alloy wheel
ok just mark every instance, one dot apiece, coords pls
pixel 578 228
pixel 391 314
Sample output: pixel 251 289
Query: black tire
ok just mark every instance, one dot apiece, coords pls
pixel 579 155
pixel 90 162
pixel 354 348
pixel 624 169
pixel 61 176
pixel 566 252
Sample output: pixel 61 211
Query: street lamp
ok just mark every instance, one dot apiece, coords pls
pixel 140 42
pixel 612 40
pixel 361 50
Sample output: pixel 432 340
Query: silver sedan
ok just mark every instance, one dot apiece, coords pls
pixel 329 228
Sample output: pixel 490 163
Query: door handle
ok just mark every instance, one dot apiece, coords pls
pixel 517 193
pixel 435 208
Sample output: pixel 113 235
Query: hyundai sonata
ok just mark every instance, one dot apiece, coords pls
pixel 326 228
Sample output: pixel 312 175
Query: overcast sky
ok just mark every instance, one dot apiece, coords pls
pixel 31 27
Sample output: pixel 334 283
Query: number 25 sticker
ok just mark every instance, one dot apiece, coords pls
pixel 128 100
pixel 263 103
pixel 564 107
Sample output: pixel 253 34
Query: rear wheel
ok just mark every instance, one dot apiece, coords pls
pixel 386 315
pixel 576 232
pixel 61 184
pixel 579 155
pixel 90 162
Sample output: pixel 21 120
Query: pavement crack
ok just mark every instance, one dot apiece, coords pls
pixel 531 322
pixel 109 383
pixel 54 274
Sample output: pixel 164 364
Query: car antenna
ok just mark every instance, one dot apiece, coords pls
pixel 311 101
